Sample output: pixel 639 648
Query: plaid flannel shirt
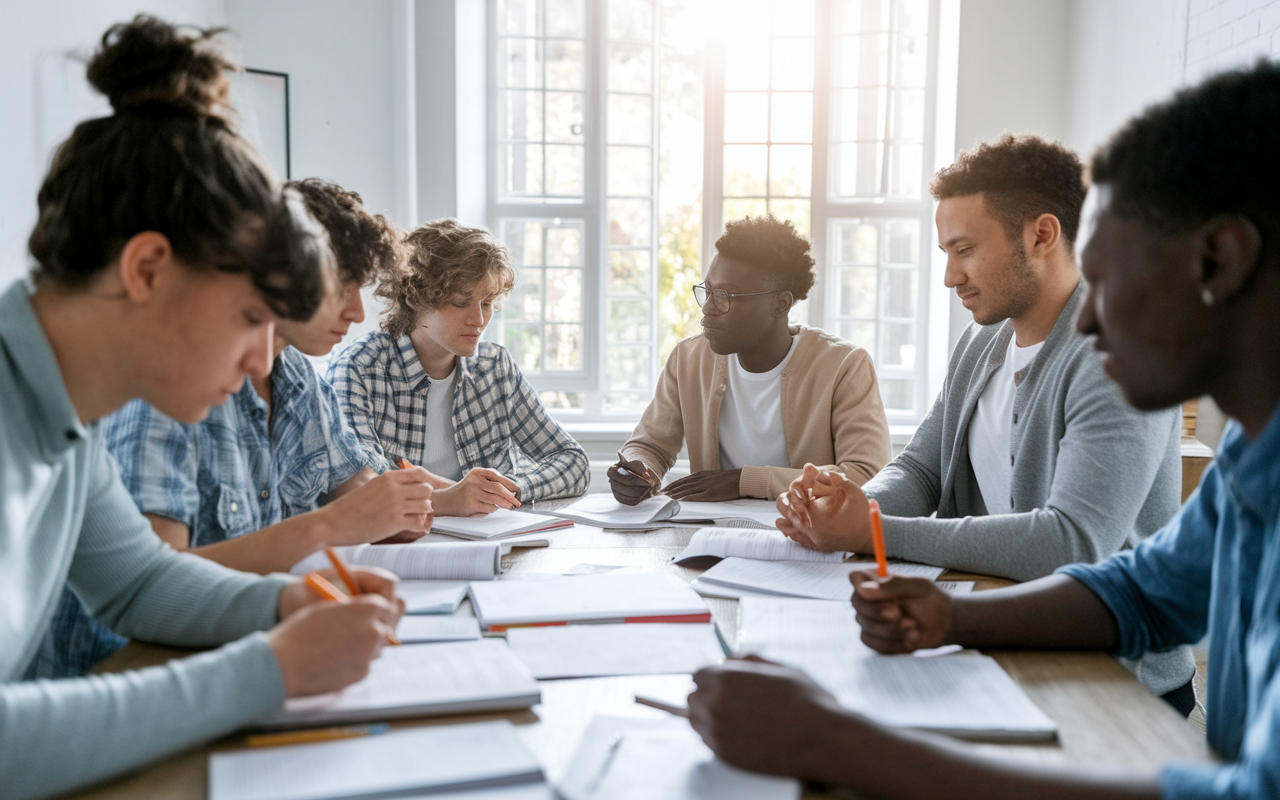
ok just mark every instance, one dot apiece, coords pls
pixel 499 420
pixel 237 471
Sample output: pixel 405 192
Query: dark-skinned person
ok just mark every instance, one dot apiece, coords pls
pixel 1179 249
pixel 164 253
pixel 752 396
pixel 1030 458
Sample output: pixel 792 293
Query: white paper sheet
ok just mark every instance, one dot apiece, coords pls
pixel 583 598
pixel 813 579
pixel 416 630
pixel 762 545
pixel 477 754
pixel 628 758
pixel 421 680
pixel 432 597
pixel 603 511
pixel 498 523
pixel 586 651
pixel 457 561
pixel 747 512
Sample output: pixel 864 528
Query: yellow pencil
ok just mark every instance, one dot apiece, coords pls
pixel 317 735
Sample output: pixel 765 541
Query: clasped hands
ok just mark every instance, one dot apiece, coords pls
pixel 823 510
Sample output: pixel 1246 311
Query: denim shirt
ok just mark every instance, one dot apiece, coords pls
pixel 1215 568
pixel 237 471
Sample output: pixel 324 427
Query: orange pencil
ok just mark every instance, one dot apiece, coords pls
pixel 353 588
pixel 877 539
pixel 403 463
pixel 321 586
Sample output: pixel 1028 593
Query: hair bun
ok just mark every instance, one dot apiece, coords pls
pixel 149 63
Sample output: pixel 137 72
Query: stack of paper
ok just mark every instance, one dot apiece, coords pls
pixel 964 694
pixel 661 511
pixel 431 597
pixel 710 545
pixel 630 758
pixel 437 759
pixel 588 651
pixel 744 577
pixel 417 630
pixel 498 524
pixel 456 561
pixel 416 680
pixel 635 597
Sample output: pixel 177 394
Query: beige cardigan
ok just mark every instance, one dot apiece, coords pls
pixel 832 414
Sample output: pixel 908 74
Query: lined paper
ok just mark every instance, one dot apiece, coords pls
pixel 458 561
pixel 708 544
pixel 582 598
pixel 812 579
pixel 413 630
pixel 586 651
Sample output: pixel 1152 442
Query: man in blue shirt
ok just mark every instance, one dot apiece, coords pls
pixel 1179 248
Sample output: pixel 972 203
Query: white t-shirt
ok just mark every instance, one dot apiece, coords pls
pixel 439 446
pixel 751 417
pixel 991 429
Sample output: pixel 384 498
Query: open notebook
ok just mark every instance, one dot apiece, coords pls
pixel 418 680
pixel 710 545
pixel 631 597
pixel 450 561
pixel 661 511
pixel 820 580
pixel 498 524
pixel 397 764
pixel 964 694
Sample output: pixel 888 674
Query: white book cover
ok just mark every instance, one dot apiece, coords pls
pixel 497 524
pixel 813 579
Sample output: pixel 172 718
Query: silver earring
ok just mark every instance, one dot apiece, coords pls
pixel 1207 297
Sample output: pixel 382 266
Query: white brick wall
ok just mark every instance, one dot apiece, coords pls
pixel 1222 34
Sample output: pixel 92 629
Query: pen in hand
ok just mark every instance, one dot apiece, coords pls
pixel 318 584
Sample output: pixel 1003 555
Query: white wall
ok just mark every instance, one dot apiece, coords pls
pixel 44 94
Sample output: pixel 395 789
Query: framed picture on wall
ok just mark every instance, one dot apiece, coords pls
pixel 262 98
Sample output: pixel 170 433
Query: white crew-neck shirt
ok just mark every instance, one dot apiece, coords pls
pixel 751 417
pixel 991 429
pixel 440 448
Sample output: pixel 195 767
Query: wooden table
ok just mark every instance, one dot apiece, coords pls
pixel 1105 717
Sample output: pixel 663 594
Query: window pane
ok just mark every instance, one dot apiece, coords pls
pixel 520 63
pixel 746 64
pixel 745 169
pixel 525 302
pixel 792 117
pixel 627 368
pixel 524 168
pixel 905 175
pixel 523 241
pixel 630 171
pixel 565 18
pixel 902 242
pixel 522 114
pixel 742 208
pixel 749 18
pixel 857 243
pixel 564 64
pixel 898 293
pixel 564 247
pixel 525 344
pixel 862 334
pixel 790 170
pixel 793 17
pixel 564 295
pixel 564 347
pixel 908 115
pixel 628 272
pixel 625 402
pixel 899 394
pixel 564 170
pixel 631 19
pixel 629 222
pixel 857 169
pixel 858 292
pixel 562 401
pixel 912 68
pixel 913 17
pixel 630 68
pixel 793 64
pixel 746 117
pixel 630 119
pixel 519 17
pixel 628 321
pixel 564 117
pixel 794 211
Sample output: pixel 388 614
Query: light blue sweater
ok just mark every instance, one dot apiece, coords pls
pixel 67 519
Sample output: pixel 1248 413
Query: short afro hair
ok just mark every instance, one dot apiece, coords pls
pixel 1019 178
pixel 774 247
pixel 1211 149
pixel 365 245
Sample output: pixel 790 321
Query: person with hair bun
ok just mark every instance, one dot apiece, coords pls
pixel 754 397
pixel 165 254
pixel 426 389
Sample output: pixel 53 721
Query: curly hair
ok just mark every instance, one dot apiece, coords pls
pixel 444 258
pixel 1209 150
pixel 365 244
pixel 774 247
pixel 1019 178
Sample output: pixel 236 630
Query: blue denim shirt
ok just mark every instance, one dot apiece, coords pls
pixel 1215 568
pixel 237 471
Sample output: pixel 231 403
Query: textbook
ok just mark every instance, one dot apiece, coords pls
pixel 709 545
pixel 450 561
pixel 966 695
pixel 413 761
pixel 602 511
pixel 590 651
pixel 497 524
pixel 420 680
pixel 819 580
pixel 631 597
pixel 419 629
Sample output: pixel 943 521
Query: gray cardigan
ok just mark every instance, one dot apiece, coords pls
pixel 1091 474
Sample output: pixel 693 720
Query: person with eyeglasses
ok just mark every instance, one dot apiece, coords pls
pixel 753 397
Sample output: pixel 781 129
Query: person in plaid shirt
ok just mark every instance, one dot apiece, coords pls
pixel 426 390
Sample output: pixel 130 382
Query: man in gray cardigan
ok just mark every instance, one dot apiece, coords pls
pixel 1030 458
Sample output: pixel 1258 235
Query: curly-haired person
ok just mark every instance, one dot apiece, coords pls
pixel 754 397
pixel 425 389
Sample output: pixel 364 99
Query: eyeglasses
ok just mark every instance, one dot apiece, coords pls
pixel 720 298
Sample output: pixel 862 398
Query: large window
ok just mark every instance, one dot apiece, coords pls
pixel 625 130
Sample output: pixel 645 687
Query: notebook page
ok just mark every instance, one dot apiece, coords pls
pixel 431 597
pixel 585 651
pixel 437 629
pixel 761 545
pixel 500 522
pixel 762 513
pixel 812 579
pixel 400 761
pixel 458 561
pixel 583 597
pixel 460 673
pixel 602 510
